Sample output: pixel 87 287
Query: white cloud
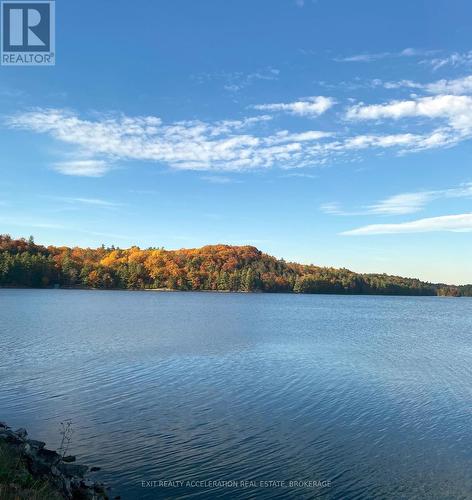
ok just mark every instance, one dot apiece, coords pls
pixel 411 52
pixel 28 222
pixel 455 110
pixel 302 175
pixel 311 106
pixel 399 204
pixel 385 141
pixel 187 145
pixel 451 223
pixel 238 145
pixel 219 179
pixel 83 168
pixel 463 191
pixel 457 86
pixel 455 60
pixel 375 56
pixel 365 57
pixel 87 201
pixel 396 85
pixel 238 80
pixel 403 203
pixel 334 208
pixel 285 136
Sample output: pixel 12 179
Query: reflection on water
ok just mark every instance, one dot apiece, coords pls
pixel 370 393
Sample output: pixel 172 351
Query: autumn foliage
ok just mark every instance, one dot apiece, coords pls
pixel 212 267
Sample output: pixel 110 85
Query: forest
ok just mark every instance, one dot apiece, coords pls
pixel 23 263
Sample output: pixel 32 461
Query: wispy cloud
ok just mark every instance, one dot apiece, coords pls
pixel 451 223
pixel 107 235
pixel 187 145
pixel 284 136
pixel 12 93
pixel 219 179
pixel 455 59
pixel 238 80
pixel 334 208
pixel 83 168
pixel 375 56
pixel 309 107
pixel 87 201
pixel 364 57
pixel 409 84
pixel 30 223
pixel 145 191
pixel 241 145
pixel 408 203
pixel 456 86
pixel 454 110
pixel 302 175
pixel 401 204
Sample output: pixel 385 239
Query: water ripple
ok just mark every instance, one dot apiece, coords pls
pixel 371 393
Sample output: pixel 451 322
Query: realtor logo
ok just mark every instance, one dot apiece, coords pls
pixel 28 33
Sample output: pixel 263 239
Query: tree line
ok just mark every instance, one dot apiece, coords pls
pixel 23 263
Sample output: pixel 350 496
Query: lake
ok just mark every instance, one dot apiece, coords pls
pixel 372 395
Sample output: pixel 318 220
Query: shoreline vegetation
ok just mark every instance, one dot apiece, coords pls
pixel 217 268
pixel 29 471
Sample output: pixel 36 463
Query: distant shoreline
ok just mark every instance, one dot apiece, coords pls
pixel 211 268
pixel 238 292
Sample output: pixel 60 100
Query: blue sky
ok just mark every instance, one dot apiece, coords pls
pixel 328 132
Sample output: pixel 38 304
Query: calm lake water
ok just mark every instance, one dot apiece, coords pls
pixel 373 394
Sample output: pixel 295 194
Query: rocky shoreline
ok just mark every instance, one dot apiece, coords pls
pixel 31 463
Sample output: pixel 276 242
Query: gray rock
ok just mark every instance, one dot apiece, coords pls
pixel 66 477
pixel 39 445
pixel 48 456
pixel 21 432
pixel 11 437
pixel 99 488
pixel 74 482
pixel 88 483
pixel 29 450
pixel 55 471
pixel 39 468
pixel 85 492
pixel 42 460
pixel 72 470
pixel 67 487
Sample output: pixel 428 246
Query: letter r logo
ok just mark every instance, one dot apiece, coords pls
pixel 26 26
pixel 33 17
